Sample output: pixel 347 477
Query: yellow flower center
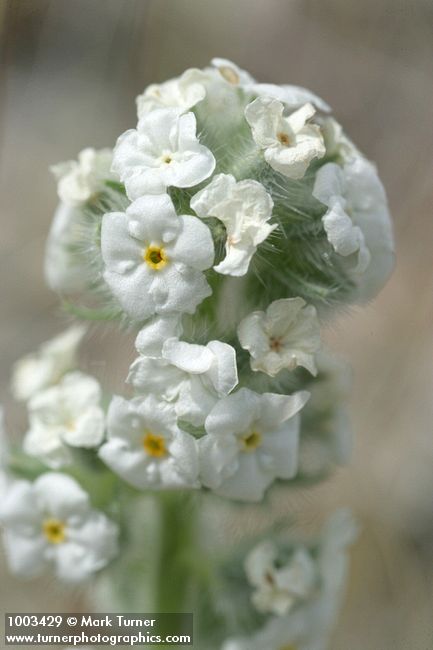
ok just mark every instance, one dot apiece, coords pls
pixel 155 257
pixel 54 530
pixel 229 74
pixel 167 159
pixel 251 441
pixel 154 445
pixel 284 138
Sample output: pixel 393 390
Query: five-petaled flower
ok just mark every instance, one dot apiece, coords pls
pixel 279 585
pixel 82 180
pixel 68 414
pixel 182 92
pixel 287 335
pixel 154 258
pixel 290 143
pixel 163 151
pixel 245 209
pixel 146 447
pixel 251 440
pixel 50 524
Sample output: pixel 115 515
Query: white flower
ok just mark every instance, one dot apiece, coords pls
pixel 308 625
pixel 79 181
pixel 245 209
pixel 47 366
pixel 50 524
pixel 346 238
pixel 66 414
pixel 163 151
pixel 252 440
pixel 278 587
pixel 287 335
pixel 357 221
pixel 289 143
pixel 182 92
pixel 63 270
pixel 336 141
pixel 191 87
pixel 154 259
pixel 146 447
pixel 191 376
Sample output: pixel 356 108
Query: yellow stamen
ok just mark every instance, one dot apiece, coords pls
pixel 229 74
pixel 155 257
pixel 251 441
pixel 154 445
pixel 167 159
pixel 284 138
pixel 54 530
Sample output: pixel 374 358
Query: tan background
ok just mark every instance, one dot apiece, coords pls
pixel 70 70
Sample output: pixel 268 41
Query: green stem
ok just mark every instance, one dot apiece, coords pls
pixel 177 535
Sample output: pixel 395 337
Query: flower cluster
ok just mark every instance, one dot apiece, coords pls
pixel 219 163
pixel 223 229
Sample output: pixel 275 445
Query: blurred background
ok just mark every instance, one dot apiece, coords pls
pixel 70 71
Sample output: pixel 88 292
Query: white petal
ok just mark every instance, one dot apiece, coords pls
pixel 25 555
pixel 234 413
pixel 153 219
pixel 248 483
pixel 120 252
pixel 276 409
pixel 252 335
pixel 196 399
pixel 46 443
pixel 132 290
pixel 298 118
pixel 60 495
pixel 223 371
pixel 231 73
pixel 87 549
pixel 89 429
pixel 210 196
pixel 290 95
pixel 191 358
pixel 54 358
pixel 281 450
pixel 156 376
pixel 260 561
pixel 264 116
pixel 179 289
pixel 18 507
pixel 79 392
pixel 218 459
pixel 329 184
pixel 152 336
pixel 194 245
